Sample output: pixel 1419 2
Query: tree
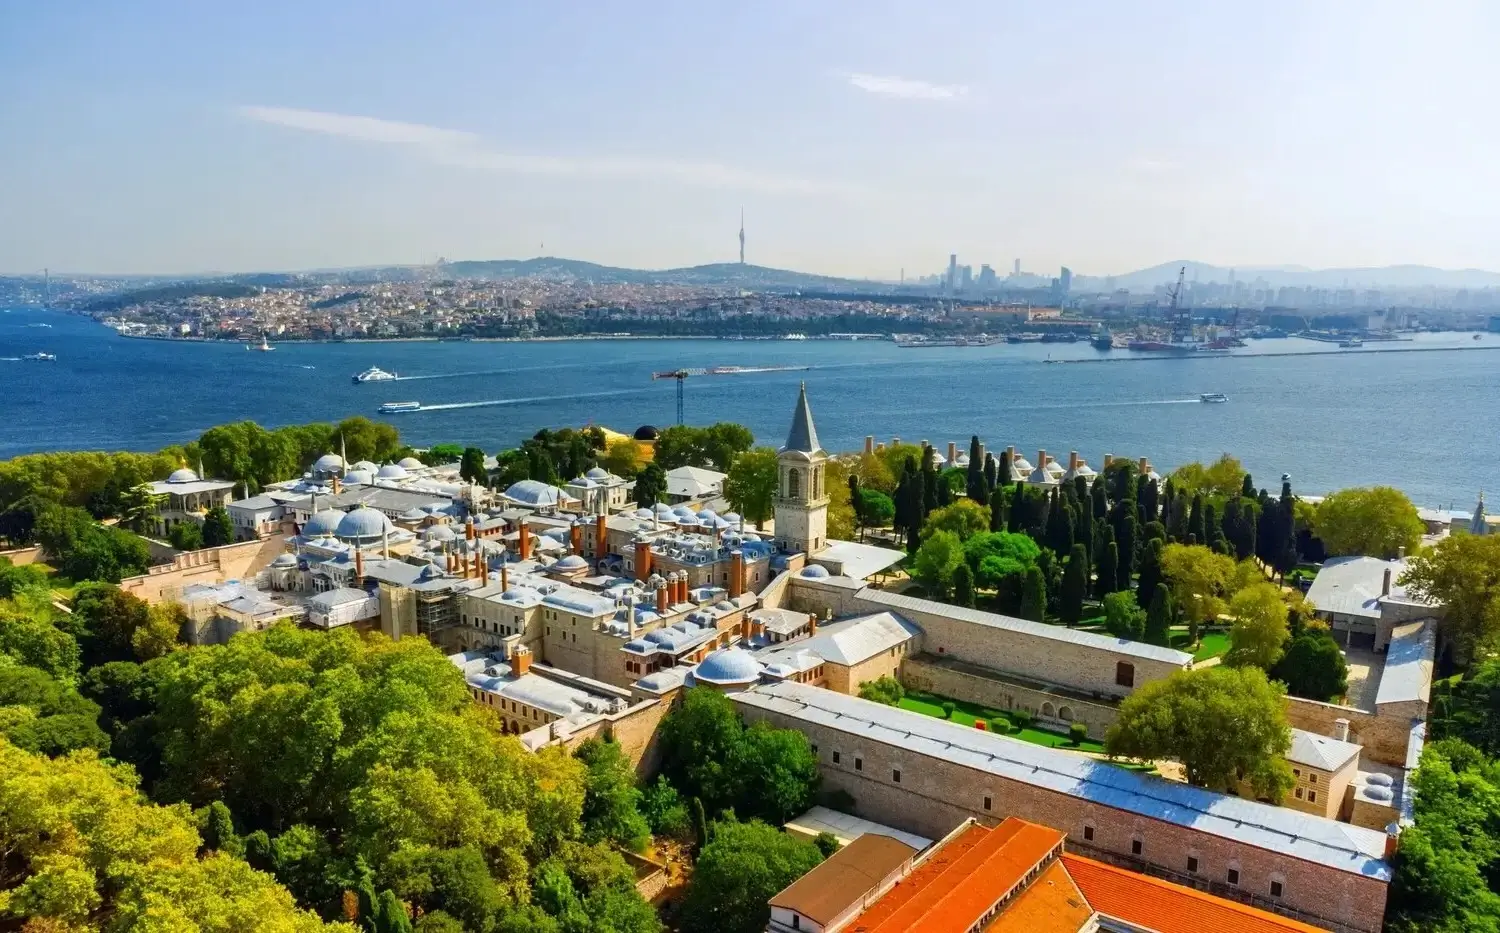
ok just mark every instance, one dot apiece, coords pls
pixel 780 773
pixel 1151 574
pixel 85 550
pixel 611 802
pixel 1199 579
pixel 442 453
pixel 1159 616
pixel 35 642
pixel 1462 574
pixel 1034 595
pixel 887 690
pixel 975 486
pixel 875 510
pixel 186 536
pixel 107 619
pixel 963 586
pixel 714 447
pixel 218 527
pixel 1074 585
pixel 1123 617
pixel 40 714
pixel 1218 722
pixel 1379 521
pixel 1260 626
pixel 650 484
pixel 964 518
pixel 665 811
pixel 622 457
pixel 1106 577
pixel 139 506
pixel 1222 478
pixel 471 468
pixel 751 484
pixel 939 556
pixel 738 872
pixel 1313 667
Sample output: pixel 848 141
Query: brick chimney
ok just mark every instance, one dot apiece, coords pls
pixel 812 623
pixel 1392 840
pixel 1143 466
pixel 1341 729
pixel 1385 583
pixel 480 570
pixel 869 443
pixel 469 528
pixel 1108 459
pixel 1041 460
pixel 520 660
pixel 982 452
pixel 662 596
pixel 575 538
pixel 952 452
pixel 523 540
pixel 682 586
pixel 601 536
pixel 895 442
pixel 736 574
pixel 1072 460
pixel 642 559
pixel 359 567
pixel 504 576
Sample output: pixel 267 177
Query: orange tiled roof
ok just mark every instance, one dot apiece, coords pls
pixel 1166 907
pixel 1052 904
pixel 953 889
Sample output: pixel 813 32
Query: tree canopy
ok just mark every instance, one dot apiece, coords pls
pixel 713 447
pixel 1224 477
pixel 1199 579
pixel 751 484
pixel 965 518
pixel 1313 666
pixel 1378 521
pixel 1260 626
pixel 939 556
pixel 1461 572
pixel 738 872
pixel 1218 722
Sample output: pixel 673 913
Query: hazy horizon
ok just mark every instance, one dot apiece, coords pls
pixel 861 140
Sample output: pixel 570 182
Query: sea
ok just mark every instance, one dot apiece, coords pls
pixel 1427 422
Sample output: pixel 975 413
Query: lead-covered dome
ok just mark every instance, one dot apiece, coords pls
pixel 322 524
pixel 329 463
pixel 729 666
pixel 364 524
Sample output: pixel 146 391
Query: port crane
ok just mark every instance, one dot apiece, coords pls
pixel 681 375
pixel 1179 318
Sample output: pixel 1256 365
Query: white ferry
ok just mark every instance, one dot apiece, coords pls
pixel 1213 398
pixel 41 357
pixel 396 408
pixel 374 374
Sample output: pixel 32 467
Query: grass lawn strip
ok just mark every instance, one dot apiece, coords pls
pixel 965 713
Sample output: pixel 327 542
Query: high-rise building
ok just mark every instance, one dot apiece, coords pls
pixel 952 272
pixel 1015 268
pixel 986 278
pixel 965 277
pixel 742 236
pixel 1065 281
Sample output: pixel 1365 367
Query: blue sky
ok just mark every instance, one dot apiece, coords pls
pixel 860 138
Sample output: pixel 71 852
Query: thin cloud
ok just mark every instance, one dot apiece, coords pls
pixel 468 150
pixel 905 88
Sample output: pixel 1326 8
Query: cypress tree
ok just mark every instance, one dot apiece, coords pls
pixel 1003 470
pixel 963 586
pixel 944 492
pixel 1286 545
pixel 700 823
pixel 1034 595
pixel 1107 570
pixel 1247 488
pixel 1147 502
pixel 1153 530
pixel 856 502
pixel 991 471
pixel 1159 617
pixel 929 482
pixel 1265 529
pixel 1081 489
pixel 974 480
pixel 1150 572
pixel 1074 585
pixel 1098 500
pixel 1017 508
pixel 1125 546
pixel 1059 525
pixel 1213 530
pixel 1195 526
pixel 390 914
pixel 997 511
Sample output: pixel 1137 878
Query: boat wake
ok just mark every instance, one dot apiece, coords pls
pixel 491 403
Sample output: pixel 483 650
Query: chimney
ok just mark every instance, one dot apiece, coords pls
pixel 1392 839
pixel 523 540
pixel 1143 466
pixel 1385 584
pixel 744 629
pixel 1401 552
pixel 520 660
pixel 575 538
pixel 869 443
pixel 662 596
pixel 504 576
pixel 880 446
pixel 1341 729
pixel 736 574
pixel 601 537
pixel 359 567
pixel 758 628
pixel 642 559
pixel 1072 460
pixel 335 485
pixel 479 569
pixel 952 453
pixel 1041 459
pixel 469 529
pixel 1108 459
pixel 981 452
pixel 895 442
pixel 812 623
pixel 385 543
pixel 682 586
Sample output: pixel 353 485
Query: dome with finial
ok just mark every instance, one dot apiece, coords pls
pixel 183 475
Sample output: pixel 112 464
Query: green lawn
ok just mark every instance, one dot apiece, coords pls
pixel 965 713
pixel 1212 645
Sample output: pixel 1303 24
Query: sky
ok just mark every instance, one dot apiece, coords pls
pixel 860 138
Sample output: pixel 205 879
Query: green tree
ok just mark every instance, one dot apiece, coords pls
pixel 1200 581
pixel 1074 585
pixel 218 527
pixel 887 690
pixel 390 914
pixel 1313 667
pixel 876 510
pixel 1106 577
pixel 107 619
pixel 939 556
pixel 1461 573
pixel 34 641
pixel 963 586
pixel 1034 595
pixel 737 874
pixel 442 453
pixel 751 484
pixel 964 518
pixel 186 536
pixel 1218 722
pixel 622 457
pixel 1222 478
pixel 611 802
pixel 40 714
pixel 1151 573
pixel 665 811
pixel 1160 616
pixel 650 484
pixel 1260 626
pixel 471 467
pixel 780 772
pixel 139 507
pixel 1379 521
pixel 1123 617
pixel 367 440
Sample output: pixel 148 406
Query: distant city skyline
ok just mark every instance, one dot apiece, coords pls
pixel 859 139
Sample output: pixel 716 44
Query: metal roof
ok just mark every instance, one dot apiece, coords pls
pixel 848 641
pixel 1354 586
pixel 1407 674
pixel 1276 829
pixel 1320 751
pixel 856 560
pixel 848 828
pixel 1027 627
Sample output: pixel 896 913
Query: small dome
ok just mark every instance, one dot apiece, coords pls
pixel 597 473
pixel 285 560
pixel 329 463
pixel 409 463
pixel 533 492
pixel 645 514
pixel 1380 780
pixel 571 562
pixel 438 533
pixel 646 433
pixel 815 572
pixel 357 478
pixel 729 666
pixel 584 482
pixel 413 515
pixel 724 605
pixel 183 475
pixel 367 466
pixel 683 511
pixel 661 508
pixel 322 524
pixel 392 471
pixel 362 523
pixel 731 517
pixel 707 515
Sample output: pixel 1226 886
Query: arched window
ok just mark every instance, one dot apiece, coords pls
pixel 817 482
pixel 793 483
pixel 1047 712
pixel 1065 714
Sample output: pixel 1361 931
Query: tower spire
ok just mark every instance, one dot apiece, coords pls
pixel 803 436
pixel 742 236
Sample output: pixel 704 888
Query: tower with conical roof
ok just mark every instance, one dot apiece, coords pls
pixel 801 498
pixel 1478 524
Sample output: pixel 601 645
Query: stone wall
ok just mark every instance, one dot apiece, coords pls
pixel 1384 736
pixel 20 557
pixel 635 728
pixel 969 684
pixel 934 795
pixel 211 566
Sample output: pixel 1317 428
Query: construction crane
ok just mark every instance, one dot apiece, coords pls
pixel 681 375
pixel 1180 318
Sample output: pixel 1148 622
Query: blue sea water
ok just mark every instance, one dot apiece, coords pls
pixel 1427 422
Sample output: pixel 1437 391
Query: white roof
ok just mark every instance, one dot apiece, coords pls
pixel 1352 586
pixel 1026 627
pixel 846 828
pixel 693 482
pixel 1320 751
pixel 780 621
pixel 1407 674
pixel 849 641
pixel 187 489
pixel 856 560
pixel 338 597
pixel 1276 829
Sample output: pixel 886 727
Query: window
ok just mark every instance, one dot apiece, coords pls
pixel 1135 847
pixel 814 749
pixel 793 483
pixel 895 775
pixel 1088 834
pixel 1192 864
pixel 859 763
pixel 1299 793
pixel 1312 796
pixel 796 921
pixel 1276 889
pixel 1124 674
pixel 1312 778
pixel 1234 876
pixel 835 757
pixel 987 803
pixel 1296 772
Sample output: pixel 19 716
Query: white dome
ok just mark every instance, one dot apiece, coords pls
pixel 571 562
pixel 597 473
pixel 533 492
pixel 392 471
pixel 362 523
pixel 357 478
pixel 815 572
pixel 683 511
pixel 285 560
pixel 367 466
pixel 438 533
pixel 329 463
pixel 183 475
pixel 729 666
pixel 409 463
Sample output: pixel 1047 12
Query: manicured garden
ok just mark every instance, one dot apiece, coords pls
pixel 1211 645
pixel 966 713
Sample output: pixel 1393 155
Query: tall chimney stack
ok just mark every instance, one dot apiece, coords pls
pixel 523 541
pixel 601 537
pixel 504 576
pixel 1041 460
pixel 642 558
pixel 895 442
pixel 1072 460
pixel 1341 729
pixel 1385 584
pixel 736 574
pixel 1108 459
pixel 359 567
pixel 661 597
pixel 520 660
pixel 952 453
pixel 575 537
pixel 1143 466
pixel 869 443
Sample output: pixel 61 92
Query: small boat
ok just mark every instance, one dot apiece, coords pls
pixel 265 345
pixel 374 374
pixel 41 357
pixel 49 325
pixel 396 408
pixel 1351 343
pixel 1213 398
